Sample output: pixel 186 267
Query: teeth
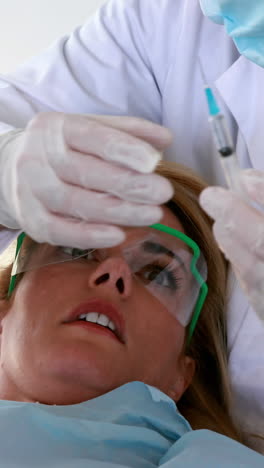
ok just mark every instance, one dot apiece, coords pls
pixel 112 325
pixel 92 317
pixel 101 319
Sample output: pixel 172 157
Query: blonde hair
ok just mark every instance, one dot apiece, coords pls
pixel 206 403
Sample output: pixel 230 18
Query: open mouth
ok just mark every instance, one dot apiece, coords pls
pixel 99 316
pixel 101 329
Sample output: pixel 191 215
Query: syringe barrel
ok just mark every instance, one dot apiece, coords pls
pixel 222 137
pixel 225 148
pixel 232 170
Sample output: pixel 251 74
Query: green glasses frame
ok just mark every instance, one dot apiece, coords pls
pixel 203 286
pixel 196 255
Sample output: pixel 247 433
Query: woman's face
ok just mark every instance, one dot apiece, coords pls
pixel 48 356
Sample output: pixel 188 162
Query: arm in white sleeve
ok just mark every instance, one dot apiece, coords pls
pixel 6 237
pixel 111 65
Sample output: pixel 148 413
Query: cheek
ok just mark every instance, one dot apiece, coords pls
pixel 155 329
pixel 45 283
pixel 38 295
pixel 158 340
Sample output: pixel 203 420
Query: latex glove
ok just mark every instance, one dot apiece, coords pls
pixel 69 179
pixel 244 22
pixel 239 231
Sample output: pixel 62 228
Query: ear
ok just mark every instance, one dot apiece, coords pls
pixel 184 377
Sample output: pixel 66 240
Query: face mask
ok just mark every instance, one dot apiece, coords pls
pixel 244 22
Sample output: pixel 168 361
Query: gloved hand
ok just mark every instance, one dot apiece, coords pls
pixel 244 22
pixel 239 231
pixel 69 179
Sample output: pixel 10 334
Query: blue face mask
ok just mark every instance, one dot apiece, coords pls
pixel 244 22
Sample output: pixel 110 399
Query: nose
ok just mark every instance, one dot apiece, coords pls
pixel 112 274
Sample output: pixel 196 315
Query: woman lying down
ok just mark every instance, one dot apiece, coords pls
pixel 117 357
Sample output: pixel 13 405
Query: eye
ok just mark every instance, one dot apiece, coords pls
pixel 160 275
pixel 74 252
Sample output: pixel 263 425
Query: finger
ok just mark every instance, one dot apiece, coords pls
pixel 248 267
pixel 240 223
pixel 90 137
pixel 156 135
pixel 58 230
pixel 96 207
pixel 90 173
pixel 253 181
pixel 235 251
pixel 78 233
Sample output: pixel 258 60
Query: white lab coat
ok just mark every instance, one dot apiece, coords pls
pixel 140 57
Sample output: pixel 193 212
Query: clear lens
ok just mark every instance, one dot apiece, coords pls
pixel 165 266
pixel 33 256
pixel 161 263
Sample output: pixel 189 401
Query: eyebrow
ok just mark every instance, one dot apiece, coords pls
pixel 155 247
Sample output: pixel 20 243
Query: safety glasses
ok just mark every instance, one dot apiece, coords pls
pixel 173 271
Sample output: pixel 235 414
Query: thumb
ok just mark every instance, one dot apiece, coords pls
pixel 253 182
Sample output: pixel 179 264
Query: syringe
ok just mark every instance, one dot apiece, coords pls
pixel 223 140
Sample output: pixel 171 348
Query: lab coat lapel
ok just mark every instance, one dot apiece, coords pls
pixel 242 89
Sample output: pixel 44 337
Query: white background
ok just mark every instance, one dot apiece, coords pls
pixel 29 26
